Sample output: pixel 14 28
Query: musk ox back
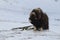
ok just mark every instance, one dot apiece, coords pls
pixel 39 19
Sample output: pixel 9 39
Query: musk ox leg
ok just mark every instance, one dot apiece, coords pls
pixel 45 27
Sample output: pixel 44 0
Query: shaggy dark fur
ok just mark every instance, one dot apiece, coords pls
pixel 39 19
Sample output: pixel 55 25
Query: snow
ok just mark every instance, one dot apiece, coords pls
pixel 29 35
pixel 15 13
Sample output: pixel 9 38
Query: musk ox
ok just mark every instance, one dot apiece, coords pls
pixel 39 19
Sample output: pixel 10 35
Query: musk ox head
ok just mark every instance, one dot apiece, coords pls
pixel 37 12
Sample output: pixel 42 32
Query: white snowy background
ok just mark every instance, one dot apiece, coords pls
pixel 15 13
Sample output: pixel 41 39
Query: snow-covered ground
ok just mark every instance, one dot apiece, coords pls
pixel 15 13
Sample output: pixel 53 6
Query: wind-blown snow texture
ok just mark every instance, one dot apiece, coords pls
pixel 15 13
